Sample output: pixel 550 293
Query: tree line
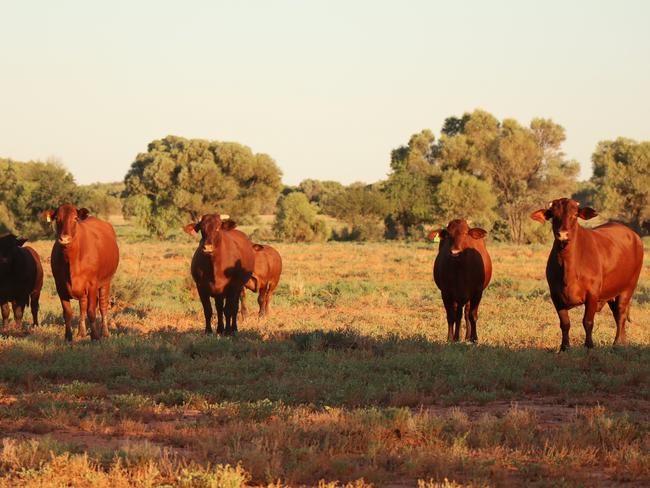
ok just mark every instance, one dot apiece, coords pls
pixel 492 172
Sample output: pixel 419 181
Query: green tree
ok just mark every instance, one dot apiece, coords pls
pixel 318 191
pixel 621 176
pixel 410 185
pixel 524 165
pixel 296 220
pixel 466 196
pixel 362 207
pixel 184 178
pixel 30 188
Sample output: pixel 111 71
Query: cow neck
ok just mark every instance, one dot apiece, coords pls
pixel 218 242
pixel 569 255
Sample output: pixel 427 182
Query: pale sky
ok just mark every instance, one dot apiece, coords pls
pixel 327 88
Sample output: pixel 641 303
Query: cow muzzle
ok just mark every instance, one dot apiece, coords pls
pixel 207 249
pixel 65 239
pixel 562 236
pixel 456 252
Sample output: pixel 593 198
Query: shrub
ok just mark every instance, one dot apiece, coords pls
pixel 296 220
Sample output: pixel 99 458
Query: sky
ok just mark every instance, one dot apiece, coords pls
pixel 327 88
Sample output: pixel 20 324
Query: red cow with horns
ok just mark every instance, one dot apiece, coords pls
pixel 462 271
pixel 590 267
pixel 21 279
pixel 221 266
pixel 84 260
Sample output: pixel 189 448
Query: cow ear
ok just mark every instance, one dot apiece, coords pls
pixel 191 229
pixel 433 234
pixel 48 215
pixel 541 215
pixel 228 224
pixel 83 213
pixel 587 213
pixel 477 233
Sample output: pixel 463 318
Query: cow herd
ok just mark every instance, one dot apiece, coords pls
pixel 587 267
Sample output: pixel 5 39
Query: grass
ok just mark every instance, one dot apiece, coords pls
pixel 350 381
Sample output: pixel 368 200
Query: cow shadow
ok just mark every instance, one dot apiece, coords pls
pixel 326 368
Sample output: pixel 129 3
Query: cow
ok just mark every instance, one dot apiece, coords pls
pixel 590 267
pixel 462 270
pixel 84 260
pixel 21 279
pixel 268 267
pixel 222 264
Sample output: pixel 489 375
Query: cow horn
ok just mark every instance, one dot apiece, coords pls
pixel 550 204
pixel 224 216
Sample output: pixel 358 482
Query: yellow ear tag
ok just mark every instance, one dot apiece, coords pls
pixel 49 219
pixel 437 238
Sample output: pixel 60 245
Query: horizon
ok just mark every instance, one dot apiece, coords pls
pixel 327 89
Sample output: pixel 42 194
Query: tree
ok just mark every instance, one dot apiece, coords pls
pixel 179 179
pixel 30 188
pixel 409 185
pixel 296 220
pixel 524 165
pixel 622 181
pixel 462 195
pixel 317 191
pixel 362 207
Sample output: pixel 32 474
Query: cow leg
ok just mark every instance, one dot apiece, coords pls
pixel 451 316
pixel 207 309
pixel 104 295
pixel 473 316
pixel 18 309
pixel 261 301
pixel 457 320
pixel 232 308
pixel 218 301
pixel 620 308
pixel 565 325
pixel 267 300
pixel 67 316
pixel 83 312
pixel 92 314
pixel 591 306
pixel 244 310
pixel 34 306
pixel 6 310
pixel 468 324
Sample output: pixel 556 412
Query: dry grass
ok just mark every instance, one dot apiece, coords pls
pixel 348 383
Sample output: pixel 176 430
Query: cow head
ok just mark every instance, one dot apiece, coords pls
pixel 209 227
pixel 457 236
pixel 9 243
pixel 66 217
pixel 564 214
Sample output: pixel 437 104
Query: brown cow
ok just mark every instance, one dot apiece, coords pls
pixel 84 259
pixel 462 271
pixel 590 267
pixel 268 267
pixel 222 264
pixel 21 279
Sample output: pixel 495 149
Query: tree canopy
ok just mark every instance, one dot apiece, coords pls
pixel 27 189
pixel 180 178
pixel 519 165
pixel 621 179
